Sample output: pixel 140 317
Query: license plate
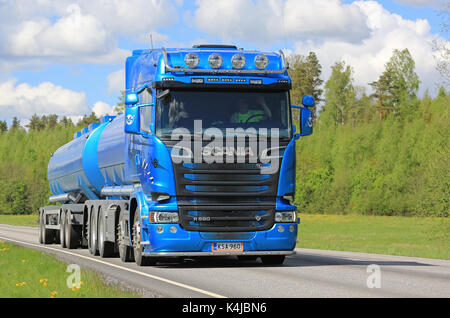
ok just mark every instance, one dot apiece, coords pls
pixel 227 247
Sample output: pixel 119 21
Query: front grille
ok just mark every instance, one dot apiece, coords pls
pixel 225 180
pixel 226 218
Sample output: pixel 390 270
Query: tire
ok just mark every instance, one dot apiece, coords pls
pixel 62 222
pixel 125 252
pixel 273 259
pixel 247 258
pixel 106 249
pixel 48 236
pixel 137 248
pixel 40 228
pixel 92 242
pixel 72 236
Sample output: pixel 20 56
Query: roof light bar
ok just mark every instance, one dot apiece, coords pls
pixel 221 71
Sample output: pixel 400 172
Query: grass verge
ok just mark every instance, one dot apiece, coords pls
pixel 406 236
pixel 29 273
pixel 23 220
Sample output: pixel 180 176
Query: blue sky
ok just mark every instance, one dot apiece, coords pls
pixel 67 57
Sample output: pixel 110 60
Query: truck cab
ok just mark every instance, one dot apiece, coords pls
pixel 213 149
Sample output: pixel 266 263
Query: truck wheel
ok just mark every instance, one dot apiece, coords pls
pixel 273 259
pixel 126 252
pixel 62 221
pixel 40 228
pixel 138 257
pixel 48 236
pixel 106 249
pixel 71 234
pixel 92 242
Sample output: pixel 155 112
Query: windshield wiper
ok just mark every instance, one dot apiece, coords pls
pixel 163 94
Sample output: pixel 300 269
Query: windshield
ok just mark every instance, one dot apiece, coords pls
pixel 222 110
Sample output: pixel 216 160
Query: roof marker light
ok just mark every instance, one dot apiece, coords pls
pixel 215 60
pixel 238 61
pixel 191 60
pixel 261 61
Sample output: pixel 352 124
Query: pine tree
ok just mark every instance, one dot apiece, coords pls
pixel 120 107
pixel 396 89
pixel 34 123
pixel 305 73
pixel 15 124
pixel 3 126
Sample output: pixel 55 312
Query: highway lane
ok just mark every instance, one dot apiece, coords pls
pixel 309 273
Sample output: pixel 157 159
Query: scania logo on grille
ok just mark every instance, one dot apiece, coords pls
pixel 258 218
pixel 228 151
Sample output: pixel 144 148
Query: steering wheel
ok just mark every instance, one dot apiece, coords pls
pixel 257 115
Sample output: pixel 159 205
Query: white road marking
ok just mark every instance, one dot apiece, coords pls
pixel 198 290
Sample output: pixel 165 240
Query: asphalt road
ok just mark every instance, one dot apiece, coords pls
pixel 309 273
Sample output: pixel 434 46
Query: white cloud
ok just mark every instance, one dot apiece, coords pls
pixel 388 32
pixel 272 20
pixel 131 16
pixel 74 37
pixel 24 100
pixel 48 31
pixel 116 81
pixel 102 109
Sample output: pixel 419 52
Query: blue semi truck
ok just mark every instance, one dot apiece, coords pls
pixel 201 162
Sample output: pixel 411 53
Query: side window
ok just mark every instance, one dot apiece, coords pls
pixel 145 115
pixel 145 97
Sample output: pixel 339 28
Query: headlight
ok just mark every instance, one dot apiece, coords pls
pixel 191 60
pixel 238 61
pixel 164 217
pixel 215 60
pixel 261 61
pixel 285 217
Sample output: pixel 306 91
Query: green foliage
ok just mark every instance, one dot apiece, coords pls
pixel 24 157
pixel 120 106
pixel 305 73
pixel 397 87
pixel 87 120
pixel 379 167
pixel 339 94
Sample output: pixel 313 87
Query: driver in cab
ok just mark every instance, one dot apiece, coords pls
pixel 246 115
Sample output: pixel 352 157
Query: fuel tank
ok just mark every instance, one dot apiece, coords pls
pixel 95 158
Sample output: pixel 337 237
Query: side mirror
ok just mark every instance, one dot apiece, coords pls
pixel 132 120
pixel 308 101
pixel 138 120
pixel 131 99
pixel 306 122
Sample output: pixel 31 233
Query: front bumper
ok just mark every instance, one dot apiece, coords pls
pixel 194 254
pixel 192 243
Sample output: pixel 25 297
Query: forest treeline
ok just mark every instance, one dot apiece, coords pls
pixel 383 153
